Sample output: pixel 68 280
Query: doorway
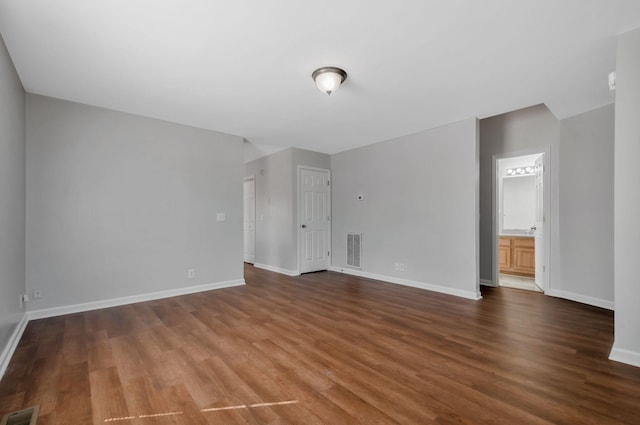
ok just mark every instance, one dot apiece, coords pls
pixel 520 227
pixel 314 219
pixel 249 190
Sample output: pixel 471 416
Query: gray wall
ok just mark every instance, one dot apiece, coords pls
pixel 12 197
pixel 529 130
pixel 581 226
pixel 274 210
pixel 121 205
pixel 586 204
pixel 627 200
pixel 276 179
pixel 419 207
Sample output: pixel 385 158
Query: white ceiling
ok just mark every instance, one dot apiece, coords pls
pixel 244 66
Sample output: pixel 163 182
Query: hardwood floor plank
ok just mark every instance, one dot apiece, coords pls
pixel 335 349
pixel 360 409
pixel 127 357
pixel 344 369
pixel 262 384
pixel 107 393
pixel 11 402
pixel 99 350
pixel 42 383
pixel 74 395
pixel 203 390
pixel 147 403
pixel 177 399
pixel 74 348
pixel 238 391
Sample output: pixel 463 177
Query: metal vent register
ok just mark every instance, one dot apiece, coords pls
pixel 354 245
pixel 28 416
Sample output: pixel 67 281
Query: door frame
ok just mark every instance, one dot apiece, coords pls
pixel 252 178
pixel 299 169
pixel 495 224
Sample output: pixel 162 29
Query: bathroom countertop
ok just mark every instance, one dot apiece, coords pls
pixel 518 233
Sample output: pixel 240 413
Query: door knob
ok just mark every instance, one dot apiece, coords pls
pixel 304 226
pixel 533 228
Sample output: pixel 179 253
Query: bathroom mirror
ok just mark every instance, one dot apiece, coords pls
pixel 518 203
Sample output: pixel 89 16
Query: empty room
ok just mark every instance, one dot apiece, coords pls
pixel 354 212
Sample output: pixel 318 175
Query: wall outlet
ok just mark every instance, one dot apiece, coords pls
pixel 37 293
pixel 221 217
pixel 191 273
pixel 399 267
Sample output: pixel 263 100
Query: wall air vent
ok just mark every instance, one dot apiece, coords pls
pixel 354 249
pixel 27 416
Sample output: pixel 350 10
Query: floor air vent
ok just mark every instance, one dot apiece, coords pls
pixel 354 245
pixel 27 416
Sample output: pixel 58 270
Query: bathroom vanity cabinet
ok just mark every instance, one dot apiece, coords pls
pixel 517 255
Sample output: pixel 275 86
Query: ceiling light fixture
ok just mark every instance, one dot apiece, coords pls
pixel 329 78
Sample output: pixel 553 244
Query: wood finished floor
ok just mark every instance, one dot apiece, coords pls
pixel 339 349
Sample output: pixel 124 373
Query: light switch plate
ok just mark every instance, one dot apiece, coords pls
pixel 221 217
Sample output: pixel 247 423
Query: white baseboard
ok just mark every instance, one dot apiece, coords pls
pixel 12 344
pixel 624 356
pixel 276 269
pixel 597 302
pixel 485 282
pixel 114 302
pixel 422 285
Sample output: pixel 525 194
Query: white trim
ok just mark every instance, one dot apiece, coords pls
pixel 12 344
pixel 624 356
pixel 276 269
pixel 486 282
pixel 477 206
pixel 299 169
pixel 415 284
pixel 597 302
pixel 114 302
pixel 251 178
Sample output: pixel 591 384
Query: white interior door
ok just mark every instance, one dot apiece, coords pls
pixel 539 223
pixel 314 220
pixel 249 221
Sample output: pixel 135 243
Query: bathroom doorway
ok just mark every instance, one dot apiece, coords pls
pixel 249 190
pixel 520 222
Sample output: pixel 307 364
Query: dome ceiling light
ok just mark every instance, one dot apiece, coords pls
pixel 329 78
